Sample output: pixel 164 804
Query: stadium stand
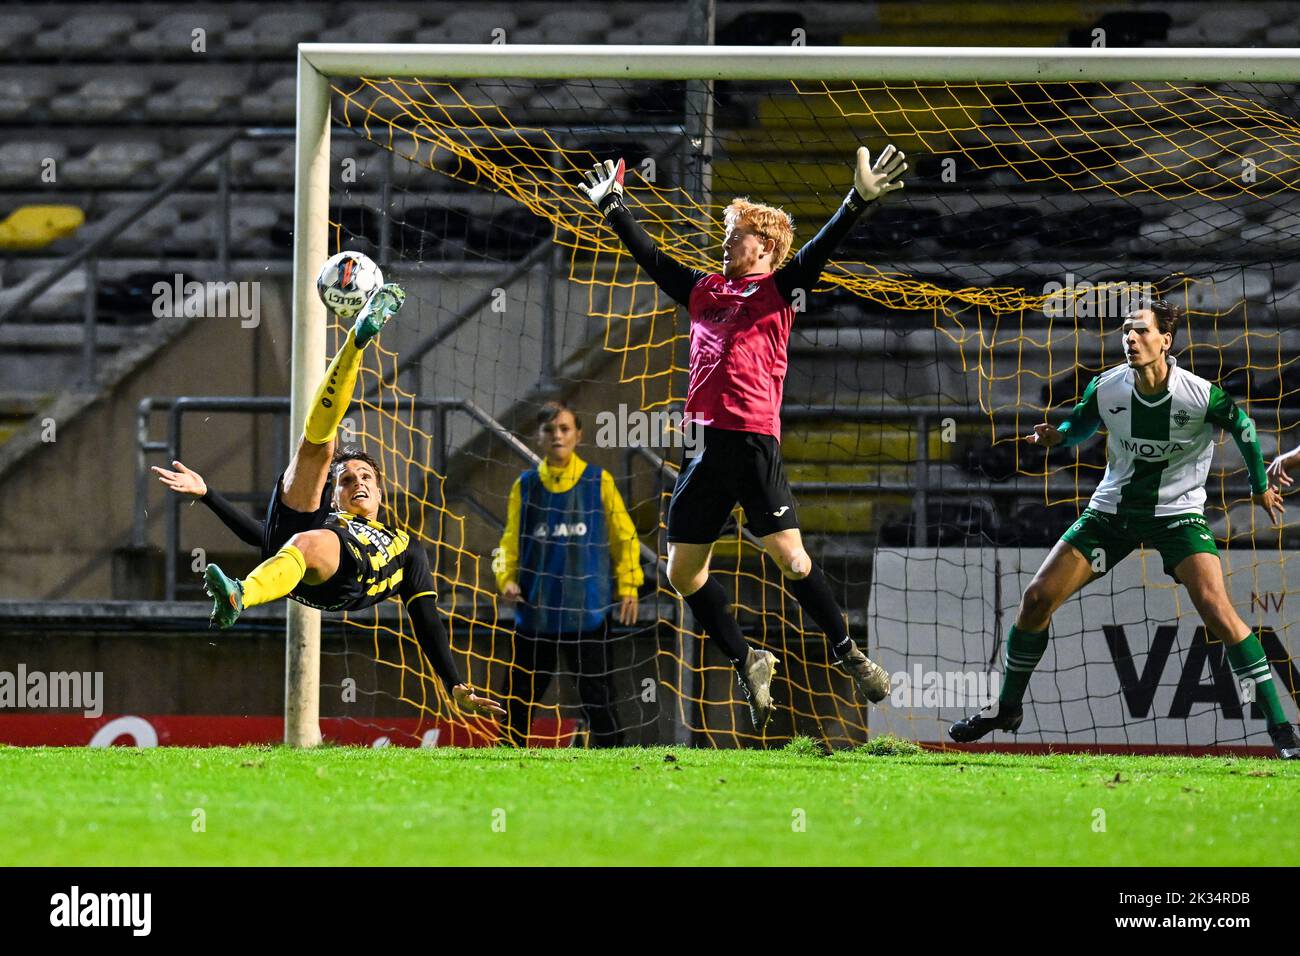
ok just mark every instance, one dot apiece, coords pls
pixel 116 100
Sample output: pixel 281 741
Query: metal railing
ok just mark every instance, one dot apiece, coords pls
pixel 123 219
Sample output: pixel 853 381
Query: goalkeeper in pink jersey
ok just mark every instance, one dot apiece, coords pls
pixel 740 326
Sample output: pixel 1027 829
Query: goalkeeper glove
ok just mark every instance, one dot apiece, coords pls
pixel 873 180
pixel 604 185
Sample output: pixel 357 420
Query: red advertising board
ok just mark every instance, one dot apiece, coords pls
pixel 212 730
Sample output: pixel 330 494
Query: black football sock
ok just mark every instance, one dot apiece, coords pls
pixel 709 605
pixel 814 596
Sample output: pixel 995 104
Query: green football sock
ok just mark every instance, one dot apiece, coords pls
pixel 1024 649
pixel 1249 662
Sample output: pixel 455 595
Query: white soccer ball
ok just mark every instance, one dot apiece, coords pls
pixel 347 281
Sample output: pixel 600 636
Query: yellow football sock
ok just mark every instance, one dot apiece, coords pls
pixel 275 577
pixel 334 395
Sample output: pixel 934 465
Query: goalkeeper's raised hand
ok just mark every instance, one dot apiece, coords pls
pixel 604 184
pixel 873 180
pixel 469 702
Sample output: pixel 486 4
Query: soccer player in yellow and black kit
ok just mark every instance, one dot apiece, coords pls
pixel 322 541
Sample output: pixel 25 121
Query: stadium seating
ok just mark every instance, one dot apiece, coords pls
pixel 373 26
pixel 1035 525
pixel 508 235
pixel 968 521
pixel 173 34
pixel 1241 28
pixel 35 227
pixel 102 99
pixel 103 82
pixel 276 33
pixel 1195 228
pixel 147 234
pixel 16 31
pixel 24 97
pixel 21 163
pixel 86 34
pixel 650 28
pixel 567 25
pixel 274 104
pixel 468 26
pixel 112 163
pixel 197 98
pixel 1122 28
pixel 1279 232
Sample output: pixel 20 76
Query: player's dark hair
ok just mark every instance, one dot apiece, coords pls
pixel 344 455
pixel 547 413
pixel 1168 316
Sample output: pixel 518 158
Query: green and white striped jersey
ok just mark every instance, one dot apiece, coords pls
pixel 1159 447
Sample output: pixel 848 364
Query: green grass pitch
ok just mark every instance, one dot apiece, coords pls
pixel 664 806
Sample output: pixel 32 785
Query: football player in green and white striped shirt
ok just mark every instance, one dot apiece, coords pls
pixel 1160 423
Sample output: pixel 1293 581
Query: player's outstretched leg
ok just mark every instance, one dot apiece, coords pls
pixel 1202 575
pixel 805 581
pixel 335 392
pixel 383 305
pixel 1063 573
pixel 688 570
pixel 227 596
pixel 755 679
pixel 311 555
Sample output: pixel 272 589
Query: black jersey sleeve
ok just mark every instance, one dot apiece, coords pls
pixel 670 275
pixel 420 599
pixel 248 529
pixel 803 271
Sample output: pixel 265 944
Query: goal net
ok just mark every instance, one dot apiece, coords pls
pixel 1042 200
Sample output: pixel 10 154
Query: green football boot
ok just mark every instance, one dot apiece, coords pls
pixel 383 305
pixel 227 596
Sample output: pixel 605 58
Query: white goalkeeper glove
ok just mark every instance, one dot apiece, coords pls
pixel 873 180
pixel 604 185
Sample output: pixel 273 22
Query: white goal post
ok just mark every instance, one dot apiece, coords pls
pixel 319 63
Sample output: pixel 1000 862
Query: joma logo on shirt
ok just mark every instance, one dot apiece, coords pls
pixel 561 530
pixel 1150 449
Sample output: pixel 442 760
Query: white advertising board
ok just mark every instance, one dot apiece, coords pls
pixel 1128 663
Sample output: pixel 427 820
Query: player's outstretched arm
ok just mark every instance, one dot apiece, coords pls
pixel 871 180
pixel 604 187
pixel 1082 424
pixel 1225 413
pixel 418 595
pixel 1280 468
pixel 186 481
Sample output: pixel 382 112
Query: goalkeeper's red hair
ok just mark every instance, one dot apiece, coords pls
pixel 768 221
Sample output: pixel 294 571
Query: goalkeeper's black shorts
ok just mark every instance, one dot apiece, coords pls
pixel 733 467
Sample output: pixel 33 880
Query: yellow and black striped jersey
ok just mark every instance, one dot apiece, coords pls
pixel 376 562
